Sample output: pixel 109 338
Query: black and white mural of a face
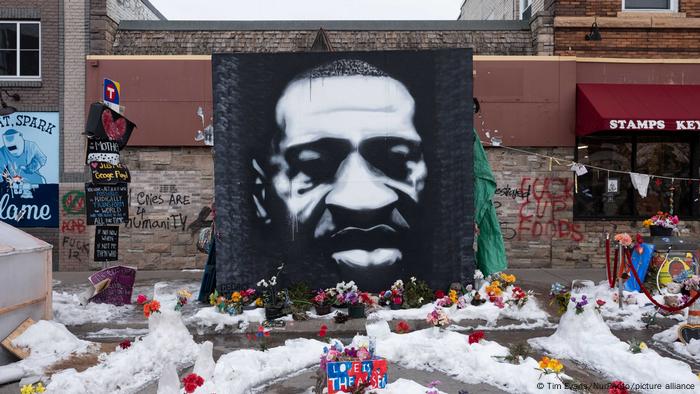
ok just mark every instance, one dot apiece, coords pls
pixel 349 165
pixel 341 181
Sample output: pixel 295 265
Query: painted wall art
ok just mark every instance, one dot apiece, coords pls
pixel 344 166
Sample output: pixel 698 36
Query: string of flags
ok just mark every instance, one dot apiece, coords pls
pixel 640 181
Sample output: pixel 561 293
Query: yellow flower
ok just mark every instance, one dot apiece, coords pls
pixel 259 302
pixel 236 296
pixel 183 293
pixel 40 388
pixel 643 346
pixel 27 389
pixel 507 278
pixel 494 289
pixel 453 296
pixel 555 366
pixel 544 362
pixel 646 223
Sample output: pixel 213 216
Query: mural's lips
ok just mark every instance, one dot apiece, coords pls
pixel 375 237
pixel 12 147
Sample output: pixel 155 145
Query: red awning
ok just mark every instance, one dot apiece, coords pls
pixel 601 107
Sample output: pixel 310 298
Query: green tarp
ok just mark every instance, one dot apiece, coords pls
pixel 490 253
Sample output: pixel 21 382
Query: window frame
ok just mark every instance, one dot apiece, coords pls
pixel 19 77
pixel 693 139
pixel 524 5
pixel 672 7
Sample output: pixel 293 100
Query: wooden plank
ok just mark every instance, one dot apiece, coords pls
pixel 11 308
pixel 7 342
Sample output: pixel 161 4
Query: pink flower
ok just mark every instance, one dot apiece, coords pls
pixel 141 299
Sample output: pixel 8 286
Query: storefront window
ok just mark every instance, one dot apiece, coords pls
pixel 604 194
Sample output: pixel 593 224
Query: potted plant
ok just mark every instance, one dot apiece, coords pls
pixel 340 291
pixel 662 224
pixel 273 302
pixel 417 293
pixel 248 299
pixel 395 295
pixel 322 302
pixel 357 302
pixel 300 296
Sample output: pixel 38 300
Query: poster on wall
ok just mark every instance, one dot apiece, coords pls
pixel 344 166
pixel 106 243
pixel 29 165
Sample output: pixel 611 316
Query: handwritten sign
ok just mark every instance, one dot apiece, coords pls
pixel 102 150
pixel 106 173
pixel 121 285
pixel 105 124
pixel 106 204
pixel 106 243
pixel 347 375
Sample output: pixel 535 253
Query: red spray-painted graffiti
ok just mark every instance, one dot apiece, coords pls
pixel 546 212
pixel 76 226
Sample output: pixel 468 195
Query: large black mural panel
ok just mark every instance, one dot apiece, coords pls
pixel 344 166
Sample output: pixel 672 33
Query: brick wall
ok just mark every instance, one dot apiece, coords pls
pixel 42 96
pixel 105 16
pixel 156 42
pixel 629 43
pixel 540 230
pixel 611 7
pixel 490 10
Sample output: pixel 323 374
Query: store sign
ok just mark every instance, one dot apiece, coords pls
pixel 651 124
pixel 29 167
pixel 111 92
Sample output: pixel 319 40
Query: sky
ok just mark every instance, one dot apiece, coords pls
pixel 309 9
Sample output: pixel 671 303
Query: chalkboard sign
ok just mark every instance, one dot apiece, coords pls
pixel 102 150
pixel 104 173
pixel 106 243
pixel 106 204
pixel 120 285
pixel 105 124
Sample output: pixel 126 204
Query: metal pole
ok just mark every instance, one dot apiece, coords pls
pixel 620 261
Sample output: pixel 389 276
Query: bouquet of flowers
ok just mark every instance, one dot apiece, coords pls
pixel 394 296
pixel 580 304
pixel 417 293
pixel 637 346
pixel 559 294
pixel 662 219
pixel 322 297
pixel 438 318
pixel 247 296
pixel 507 279
pixel 182 297
pixel 270 295
pixel 550 365
pixel 344 292
pixel 519 297
pixel 624 239
pixel 337 352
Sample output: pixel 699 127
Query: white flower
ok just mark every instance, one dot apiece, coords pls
pixel 273 281
pixel 478 274
pixel 413 279
pixel 280 267
pixel 420 300
pixel 261 283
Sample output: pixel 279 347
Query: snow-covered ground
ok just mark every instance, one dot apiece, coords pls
pixel 586 339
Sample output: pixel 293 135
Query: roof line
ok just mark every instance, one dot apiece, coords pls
pixel 434 25
pixel 153 9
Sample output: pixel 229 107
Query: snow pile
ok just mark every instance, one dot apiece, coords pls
pixel 585 338
pixel 126 332
pixel 489 312
pixel 241 370
pixel 125 371
pixel 450 353
pixel 630 316
pixel 49 342
pixel 67 310
pixel 669 337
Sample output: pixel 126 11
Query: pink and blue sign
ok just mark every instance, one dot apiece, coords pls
pixel 347 375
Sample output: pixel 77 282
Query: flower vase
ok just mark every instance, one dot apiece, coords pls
pixel 356 311
pixel 322 309
pixel 660 231
pixel 249 307
pixel 273 312
pixel 395 307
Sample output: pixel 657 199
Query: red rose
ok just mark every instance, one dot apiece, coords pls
pixel 125 344
pixel 402 327
pixel 191 382
pixel 190 387
pixel 322 331
pixel 439 294
pixel 600 302
pixel 476 336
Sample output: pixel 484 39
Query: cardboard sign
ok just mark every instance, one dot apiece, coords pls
pixel 16 350
pixel 106 173
pixel 106 243
pixel 106 124
pixel 102 150
pixel 106 204
pixel 121 285
pixel 347 375
pixel 111 91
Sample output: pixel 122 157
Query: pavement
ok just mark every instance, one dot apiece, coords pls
pixel 538 280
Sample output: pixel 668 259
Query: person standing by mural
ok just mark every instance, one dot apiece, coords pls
pixel 20 157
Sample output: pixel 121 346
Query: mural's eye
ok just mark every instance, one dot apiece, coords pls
pixel 391 155
pixel 318 160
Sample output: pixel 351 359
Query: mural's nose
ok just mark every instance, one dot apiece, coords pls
pixel 358 188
